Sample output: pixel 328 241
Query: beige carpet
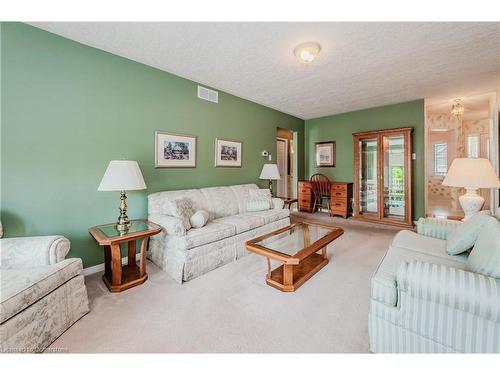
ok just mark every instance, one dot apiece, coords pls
pixel 232 309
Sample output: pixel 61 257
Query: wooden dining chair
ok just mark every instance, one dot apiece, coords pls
pixel 321 190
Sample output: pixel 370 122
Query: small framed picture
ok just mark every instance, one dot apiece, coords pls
pixel 174 150
pixel 228 153
pixel 325 154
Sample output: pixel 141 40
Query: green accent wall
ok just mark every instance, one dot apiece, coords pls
pixel 68 109
pixel 340 127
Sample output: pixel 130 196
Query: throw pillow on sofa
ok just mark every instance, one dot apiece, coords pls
pixel 485 256
pixel 199 219
pixel 259 200
pixel 181 208
pixel 464 236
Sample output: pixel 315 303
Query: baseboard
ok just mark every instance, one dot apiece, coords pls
pixel 99 268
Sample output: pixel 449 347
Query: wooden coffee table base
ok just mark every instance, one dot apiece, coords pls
pixel 288 278
pixel 308 259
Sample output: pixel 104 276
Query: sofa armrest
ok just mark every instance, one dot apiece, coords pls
pixel 462 290
pixel 173 226
pixel 39 251
pixel 436 228
pixel 277 203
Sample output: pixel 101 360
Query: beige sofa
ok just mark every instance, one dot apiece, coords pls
pixel 186 254
pixel 42 294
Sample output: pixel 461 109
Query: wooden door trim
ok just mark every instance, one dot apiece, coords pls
pixel 406 132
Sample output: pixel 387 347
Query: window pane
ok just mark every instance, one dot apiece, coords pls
pixel 440 159
pixel 394 177
pixel 473 146
pixel 368 199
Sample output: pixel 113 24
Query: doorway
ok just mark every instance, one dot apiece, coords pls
pixel 471 134
pixel 286 162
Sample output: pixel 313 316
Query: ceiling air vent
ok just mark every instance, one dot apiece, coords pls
pixel 207 94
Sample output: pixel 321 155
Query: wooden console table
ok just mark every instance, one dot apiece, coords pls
pixel 117 277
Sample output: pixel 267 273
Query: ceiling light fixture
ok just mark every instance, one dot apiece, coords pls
pixel 306 52
pixel 457 108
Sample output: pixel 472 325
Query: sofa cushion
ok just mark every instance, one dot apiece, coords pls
pixel 209 233
pixel 157 201
pixel 242 222
pixel 464 237
pixel 199 219
pixel 423 244
pixel 221 200
pixel 241 192
pixel 485 256
pixel 407 246
pixel 259 200
pixel 181 208
pixel 22 287
pixel 270 216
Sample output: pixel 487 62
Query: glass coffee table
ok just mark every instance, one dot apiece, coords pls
pixel 296 247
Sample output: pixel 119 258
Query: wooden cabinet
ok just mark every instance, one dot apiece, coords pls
pixel 305 197
pixel 382 176
pixel 340 199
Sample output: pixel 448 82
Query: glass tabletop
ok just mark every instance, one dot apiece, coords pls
pixel 297 238
pixel 110 230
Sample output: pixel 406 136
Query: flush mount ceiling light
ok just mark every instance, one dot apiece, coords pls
pixel 457 108
pixel 306 52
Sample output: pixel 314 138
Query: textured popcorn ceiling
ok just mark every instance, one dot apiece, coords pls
pixel 361 65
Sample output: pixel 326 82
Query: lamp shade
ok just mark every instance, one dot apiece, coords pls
pixel 122 175
pixel 270 172
pixel 471 173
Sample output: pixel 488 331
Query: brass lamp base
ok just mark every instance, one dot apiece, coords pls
pixel 271 187
pixel 123 223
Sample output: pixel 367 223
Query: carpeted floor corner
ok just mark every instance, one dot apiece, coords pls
pixel 232 310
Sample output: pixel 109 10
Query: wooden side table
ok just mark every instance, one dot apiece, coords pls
pixel 117 277
pixel 288 201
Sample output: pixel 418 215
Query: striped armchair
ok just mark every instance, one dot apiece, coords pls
pixel 425 301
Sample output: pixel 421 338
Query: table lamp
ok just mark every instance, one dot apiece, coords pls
pixel 471 174
pixel 270 172
pixel 122 175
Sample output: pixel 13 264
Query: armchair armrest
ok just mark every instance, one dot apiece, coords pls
pixel 462 290
pixel 172 225
pixel 437 228
pixel 39 251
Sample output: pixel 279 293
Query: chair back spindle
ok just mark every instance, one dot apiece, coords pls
pixel 321 189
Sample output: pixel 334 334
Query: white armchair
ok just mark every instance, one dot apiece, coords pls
pixel 424 300
pixel 42 294
pixel 23 252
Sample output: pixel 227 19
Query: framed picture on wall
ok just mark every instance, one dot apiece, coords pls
pixel 174 150
pixel 228 153
pixel 325 154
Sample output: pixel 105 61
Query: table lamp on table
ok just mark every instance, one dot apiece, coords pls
pixel 270 172
pixel 122 175
pixel 471 174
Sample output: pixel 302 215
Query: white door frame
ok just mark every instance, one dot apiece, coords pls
pixel 494 147
pixel 295 162
pixel 283 179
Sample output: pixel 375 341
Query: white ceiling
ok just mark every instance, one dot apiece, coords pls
pixel 361 65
